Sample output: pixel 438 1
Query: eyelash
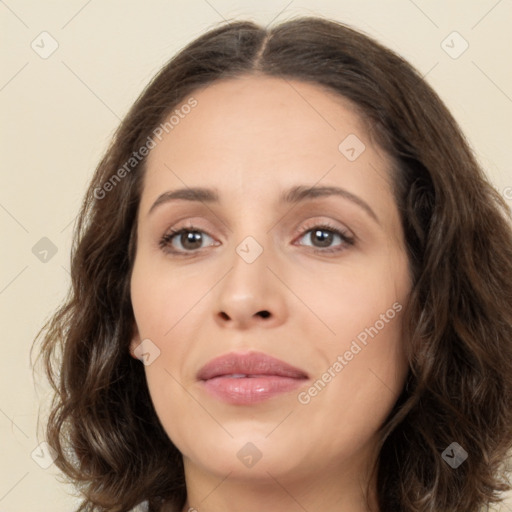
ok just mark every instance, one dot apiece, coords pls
pixel 166 240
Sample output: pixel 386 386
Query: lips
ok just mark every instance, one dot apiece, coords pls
pixel 248 378
pixel 250 364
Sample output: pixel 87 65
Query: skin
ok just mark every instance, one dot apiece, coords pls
pixel 250 138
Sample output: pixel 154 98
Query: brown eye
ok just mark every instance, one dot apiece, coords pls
pixel 183 240
pixel 322 238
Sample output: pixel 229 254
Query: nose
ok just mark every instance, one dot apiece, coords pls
pixel 250 295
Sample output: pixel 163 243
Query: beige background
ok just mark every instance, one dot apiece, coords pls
pixel 59 112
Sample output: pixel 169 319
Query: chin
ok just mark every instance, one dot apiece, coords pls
pixel 247 454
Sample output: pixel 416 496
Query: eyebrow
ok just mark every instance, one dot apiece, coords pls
pixel 293 195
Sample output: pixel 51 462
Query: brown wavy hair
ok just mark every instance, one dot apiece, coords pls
pixel 458 323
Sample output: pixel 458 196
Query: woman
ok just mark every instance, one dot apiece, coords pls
pixel 291 290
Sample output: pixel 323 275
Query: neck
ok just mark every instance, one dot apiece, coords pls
pixel 329 489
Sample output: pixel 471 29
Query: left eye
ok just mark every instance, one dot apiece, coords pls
pixel 322 237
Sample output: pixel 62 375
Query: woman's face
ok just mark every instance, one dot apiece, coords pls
pixel 294 251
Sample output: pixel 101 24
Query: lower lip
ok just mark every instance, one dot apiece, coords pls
pixel 250 390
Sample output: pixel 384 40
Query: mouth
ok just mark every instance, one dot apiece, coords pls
pixel 244 379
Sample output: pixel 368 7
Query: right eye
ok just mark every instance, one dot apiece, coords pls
pixel 189 238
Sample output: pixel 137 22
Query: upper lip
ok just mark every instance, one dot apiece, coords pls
pixel 252 363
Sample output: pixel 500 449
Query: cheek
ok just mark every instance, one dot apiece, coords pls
pixel 178 412
pixel 162 296
pixel 348 300
pixel 364 364
pixel 350 398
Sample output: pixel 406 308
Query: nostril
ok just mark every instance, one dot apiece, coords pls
pixel 264 314
pixel 224 316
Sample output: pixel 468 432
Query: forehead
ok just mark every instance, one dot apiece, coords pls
pixel 261 111
pixel 256 133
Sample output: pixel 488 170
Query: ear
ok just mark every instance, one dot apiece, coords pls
pixel 135 342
